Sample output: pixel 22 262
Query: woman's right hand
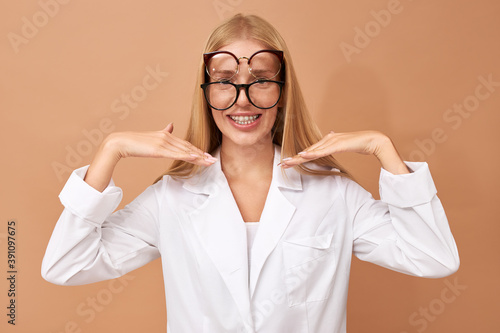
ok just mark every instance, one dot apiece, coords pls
pixel 158 144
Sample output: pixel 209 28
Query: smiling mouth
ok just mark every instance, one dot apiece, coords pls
pixel 245 120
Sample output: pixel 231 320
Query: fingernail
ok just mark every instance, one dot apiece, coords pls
pixel 287 159
pixel 194 155
pixel 302 152
pixel 279 164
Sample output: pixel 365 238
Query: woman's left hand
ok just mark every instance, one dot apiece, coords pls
pixel 365 142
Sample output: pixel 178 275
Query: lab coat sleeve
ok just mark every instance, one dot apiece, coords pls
pixel 91 243
pixel 407 230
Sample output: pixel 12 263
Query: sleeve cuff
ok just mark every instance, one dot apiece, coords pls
pixel 85 201
pixel 407 190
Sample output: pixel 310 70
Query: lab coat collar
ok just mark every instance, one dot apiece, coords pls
pixel 221 230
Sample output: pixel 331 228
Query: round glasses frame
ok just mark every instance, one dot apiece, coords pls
pixel 238 87
pixel 208 56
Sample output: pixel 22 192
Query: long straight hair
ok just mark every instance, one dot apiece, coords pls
pixel 294 130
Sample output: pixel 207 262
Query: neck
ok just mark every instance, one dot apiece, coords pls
pixel 247 161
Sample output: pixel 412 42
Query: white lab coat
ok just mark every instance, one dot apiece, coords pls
pixel 301 255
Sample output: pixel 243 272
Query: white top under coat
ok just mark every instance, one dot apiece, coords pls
pixel 252 228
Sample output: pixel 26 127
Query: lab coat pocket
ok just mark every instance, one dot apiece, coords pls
pixel 310 268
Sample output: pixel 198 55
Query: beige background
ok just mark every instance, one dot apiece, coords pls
pixel 62 81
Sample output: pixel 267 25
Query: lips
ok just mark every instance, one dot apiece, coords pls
pixel 244 120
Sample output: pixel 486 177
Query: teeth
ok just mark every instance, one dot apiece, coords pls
pixel 244 120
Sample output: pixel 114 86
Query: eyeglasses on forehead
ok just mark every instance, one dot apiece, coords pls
pixel 229 64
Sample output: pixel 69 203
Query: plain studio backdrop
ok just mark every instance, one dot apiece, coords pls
pixel 424 72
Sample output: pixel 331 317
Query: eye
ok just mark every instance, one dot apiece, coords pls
pixel 262 84
pixel 223 85
pixel 222 75
pixel 261 74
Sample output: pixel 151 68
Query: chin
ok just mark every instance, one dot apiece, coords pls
pixel 245 140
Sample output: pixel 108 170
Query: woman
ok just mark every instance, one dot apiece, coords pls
pixel 252 158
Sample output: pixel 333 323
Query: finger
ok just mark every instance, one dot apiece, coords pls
pixel 325 141
pixel 326 146
pixel 305 156
pixel 161 139
pixel 169 128
pixel 203 160
pixel 176 153
pixel 292 161
pixel 322 148
pixel 344 142
pixel 325 149
pixel 316 145
pixel 158 144
pixel 187 146
pixel 170 139
pixel 189 153
pixel 193 149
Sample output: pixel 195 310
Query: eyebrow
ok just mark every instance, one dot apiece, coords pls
pixel 262 71
pixel 223 71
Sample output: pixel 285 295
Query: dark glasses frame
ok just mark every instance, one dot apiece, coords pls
pixel 238 87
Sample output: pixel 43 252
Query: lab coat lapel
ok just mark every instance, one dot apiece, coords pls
pixel 221 231
pixel 278 212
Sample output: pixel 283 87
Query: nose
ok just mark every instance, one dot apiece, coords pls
pixel 242 99
pixel 243 77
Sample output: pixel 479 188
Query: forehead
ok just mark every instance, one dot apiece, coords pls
pixel 244 47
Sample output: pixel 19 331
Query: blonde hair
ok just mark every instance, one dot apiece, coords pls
pixel 294 130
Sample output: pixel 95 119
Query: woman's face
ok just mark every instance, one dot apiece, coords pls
pixel 233 124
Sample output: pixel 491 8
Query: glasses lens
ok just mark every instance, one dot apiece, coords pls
pixel 265 65
pixel 264 94
pixel 222 66
pixel 220 95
